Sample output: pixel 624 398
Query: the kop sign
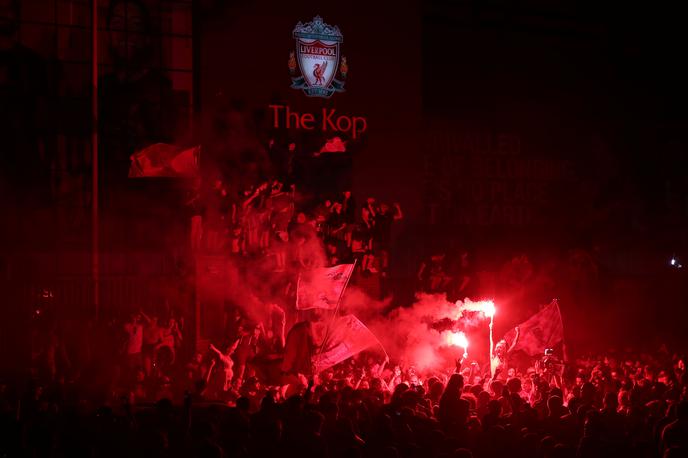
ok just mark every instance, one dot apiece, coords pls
pixel 318 69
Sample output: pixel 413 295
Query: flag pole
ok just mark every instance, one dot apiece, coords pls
pixel 564 348
pixel 491 346
pixel 334 315
pixel 95 229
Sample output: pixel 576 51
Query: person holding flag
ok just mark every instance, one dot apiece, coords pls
pixel 297 364
pixel 544 330
pixel 499 361
pixel 304 354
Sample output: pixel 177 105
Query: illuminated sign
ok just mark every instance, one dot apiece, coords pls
pixel 317 56
pixel 328 121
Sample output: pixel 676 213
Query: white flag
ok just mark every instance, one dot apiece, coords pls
pixel 321 288
pixel 347 337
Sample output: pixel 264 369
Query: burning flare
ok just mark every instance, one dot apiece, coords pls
pixel 488 308
pixel 457 339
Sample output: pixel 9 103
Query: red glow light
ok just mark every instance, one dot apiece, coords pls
pixel 489 309
pixel 457 339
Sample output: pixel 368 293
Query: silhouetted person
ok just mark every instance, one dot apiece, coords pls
pixel 675 434
pixel 453 411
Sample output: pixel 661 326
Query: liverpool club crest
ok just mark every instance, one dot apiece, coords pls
pixel 317 58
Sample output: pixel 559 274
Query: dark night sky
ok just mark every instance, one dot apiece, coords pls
pixel 566 77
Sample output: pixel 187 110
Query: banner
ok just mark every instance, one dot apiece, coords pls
pixel 347 337
pixel 322 288
pixel 163 160
pixel 543 330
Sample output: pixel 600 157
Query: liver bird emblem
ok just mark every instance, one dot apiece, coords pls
pixel 319 72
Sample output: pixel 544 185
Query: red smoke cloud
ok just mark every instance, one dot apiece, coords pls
pixel 418 335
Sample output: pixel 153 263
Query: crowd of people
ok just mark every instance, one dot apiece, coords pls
pixel 137 384
pixel 272 220
pixel 621 403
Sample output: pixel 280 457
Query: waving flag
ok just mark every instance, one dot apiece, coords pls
pixel 322 288
pixel 540 331
pixel 333 145
pixel 347 337
pixel 163 160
